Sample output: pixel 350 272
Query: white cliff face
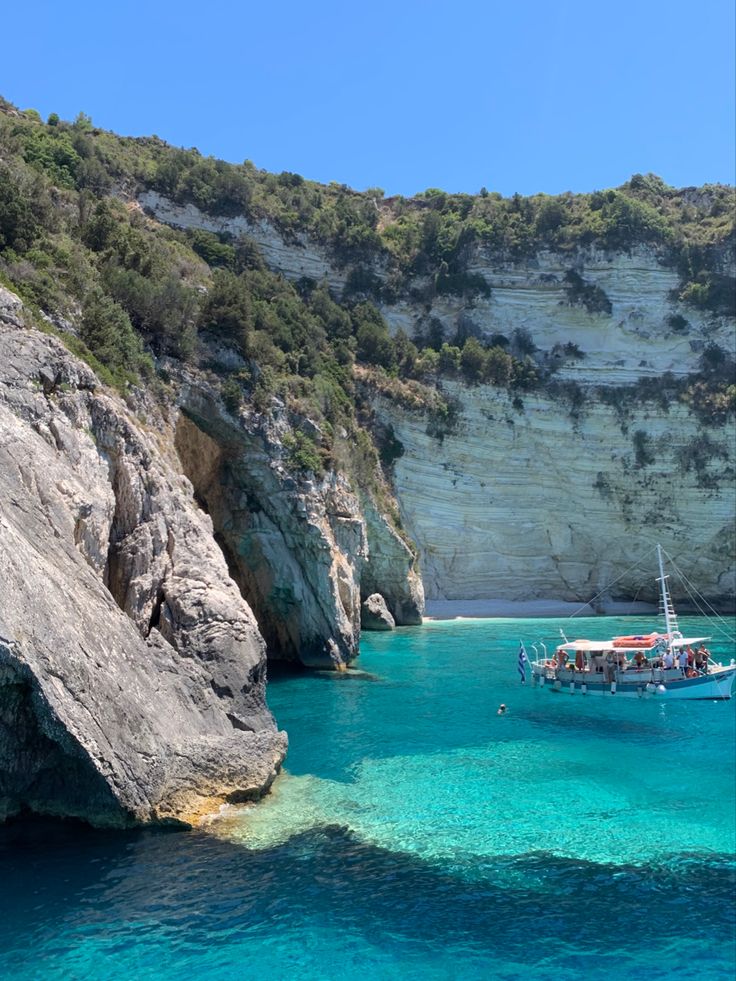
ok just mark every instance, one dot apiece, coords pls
pixel 636 339
pixel 293 259
pixel 524 505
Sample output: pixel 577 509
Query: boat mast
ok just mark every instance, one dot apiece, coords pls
pixel 670 619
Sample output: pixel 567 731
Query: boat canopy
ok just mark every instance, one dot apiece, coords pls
pixel 599 646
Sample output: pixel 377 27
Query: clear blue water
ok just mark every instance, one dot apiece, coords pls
pixel 415 834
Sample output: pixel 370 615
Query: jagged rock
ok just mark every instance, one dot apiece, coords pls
pixel 11 308
pixel 374 614
pixel 391 568
pixel 295 549
pixel 49 379
pixel 132 673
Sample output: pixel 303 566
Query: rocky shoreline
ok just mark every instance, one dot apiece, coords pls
pixel 132 668
pixel 132 672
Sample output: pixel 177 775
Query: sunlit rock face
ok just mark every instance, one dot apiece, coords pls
pixel 531 503
pixel 132 672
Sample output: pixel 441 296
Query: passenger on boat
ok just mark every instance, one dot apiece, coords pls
pixel 682 660
pixel 641 659
pixel 700 658
pixel 690 656
pixel 668 661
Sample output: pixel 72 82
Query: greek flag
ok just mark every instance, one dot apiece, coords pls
pixel 522 662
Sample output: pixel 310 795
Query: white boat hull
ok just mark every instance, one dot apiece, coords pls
pixel 658 684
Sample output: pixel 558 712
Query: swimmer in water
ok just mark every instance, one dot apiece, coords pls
pixel 501 709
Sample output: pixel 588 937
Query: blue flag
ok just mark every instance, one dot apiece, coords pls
pixel 522 662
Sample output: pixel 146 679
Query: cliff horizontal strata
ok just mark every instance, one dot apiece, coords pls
pixel 527 502
pixel 634 325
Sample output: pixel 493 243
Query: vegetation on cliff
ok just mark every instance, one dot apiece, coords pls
pixel 127 292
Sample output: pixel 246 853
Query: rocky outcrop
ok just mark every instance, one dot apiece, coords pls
pixel 293 547
pixel 374 614
pixel 391 568
pixel 304 551
pixel 132 673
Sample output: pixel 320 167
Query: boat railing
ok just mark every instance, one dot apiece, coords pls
pixel 653 670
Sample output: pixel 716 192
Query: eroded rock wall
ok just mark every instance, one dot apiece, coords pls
pixel 144 701
pixel 531 503
pixel 305 552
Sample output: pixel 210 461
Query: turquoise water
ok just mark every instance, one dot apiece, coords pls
pixel 417 834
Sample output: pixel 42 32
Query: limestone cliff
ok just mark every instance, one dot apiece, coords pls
pixel 546 495
pixel 304 551
pixel 132 673
pixel 638 327
pixel 530 503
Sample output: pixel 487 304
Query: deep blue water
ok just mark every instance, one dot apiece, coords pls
pixel 416 834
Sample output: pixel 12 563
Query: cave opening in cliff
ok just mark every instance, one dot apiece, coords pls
pixel 222 490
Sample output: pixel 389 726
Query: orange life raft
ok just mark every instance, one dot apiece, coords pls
pixel 644 642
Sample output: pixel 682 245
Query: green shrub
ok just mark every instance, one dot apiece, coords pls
pixel 580 293
pixel 106 331
pixel 303 453
pixel 232 395
pixel 643 448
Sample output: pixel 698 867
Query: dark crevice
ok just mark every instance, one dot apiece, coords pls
pixel 201 502
pixel 155 618
pixel 222 691
pixel 230 560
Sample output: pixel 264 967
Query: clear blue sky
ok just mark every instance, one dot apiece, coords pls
pixel 522 95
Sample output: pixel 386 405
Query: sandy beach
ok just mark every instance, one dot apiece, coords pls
pixel 490 608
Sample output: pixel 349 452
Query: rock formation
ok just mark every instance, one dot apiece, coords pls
pixel 552 496
pixel 132 673
pixel 374 614
pixel 304 551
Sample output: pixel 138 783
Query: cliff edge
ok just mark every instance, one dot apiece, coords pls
pixel 132 672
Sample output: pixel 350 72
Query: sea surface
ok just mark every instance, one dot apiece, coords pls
pixel 416 834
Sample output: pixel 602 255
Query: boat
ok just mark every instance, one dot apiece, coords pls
pixel 660 665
